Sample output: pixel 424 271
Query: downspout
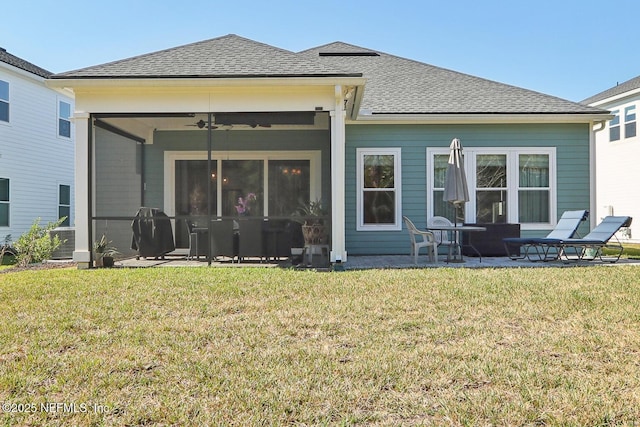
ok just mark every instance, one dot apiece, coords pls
pixel 592 169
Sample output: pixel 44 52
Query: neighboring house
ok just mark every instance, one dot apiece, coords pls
pixel 36 148
pixel 193 128
pixel 617 153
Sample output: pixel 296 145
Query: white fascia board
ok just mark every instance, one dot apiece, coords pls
pixel 478 118
pixel 204 82
pixel 616 98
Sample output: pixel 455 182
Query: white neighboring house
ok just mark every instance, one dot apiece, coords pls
pixel 36 148
pixel 617 155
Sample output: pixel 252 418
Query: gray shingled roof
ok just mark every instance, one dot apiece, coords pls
pixel 400 85
pixel 229 56
pixel 627 86
pixel 394 85
pixel 10 59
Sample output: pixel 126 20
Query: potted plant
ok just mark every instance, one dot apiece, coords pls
pixel 103 253
pixel 311 215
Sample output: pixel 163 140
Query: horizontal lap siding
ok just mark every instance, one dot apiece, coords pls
pixel 572 157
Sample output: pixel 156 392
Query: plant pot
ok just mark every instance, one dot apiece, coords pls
pixel 107 261
pixel 97 261
pixel 314 234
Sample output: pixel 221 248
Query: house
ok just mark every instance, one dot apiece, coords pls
pixel 36 148
pixel 617 150
pixel 191 129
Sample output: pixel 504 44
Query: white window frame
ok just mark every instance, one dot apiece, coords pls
pixel 60 204
pixel 67 119
pixel 8 203
pixel 615 123
pixel 628 111
pixel 8 102
pixel 170 157
pixel 397 174
pixel 513 182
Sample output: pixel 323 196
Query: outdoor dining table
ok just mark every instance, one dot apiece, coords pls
pixel 457 230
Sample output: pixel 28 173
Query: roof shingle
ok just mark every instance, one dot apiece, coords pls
pixel 394 85
pixel 627 86
pixel 13 60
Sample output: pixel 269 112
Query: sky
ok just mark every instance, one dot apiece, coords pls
pixel 571 49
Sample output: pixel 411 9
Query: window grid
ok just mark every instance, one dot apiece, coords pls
pixel 378 197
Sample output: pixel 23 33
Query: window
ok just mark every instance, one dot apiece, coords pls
pixel 533 188
pixel 64 119
pixel 614 126
pixel 491 188
pixel 4 101
pixel 505 185
pixel 378 198
pixel 4 202
pixel 64 204
pixel 630 121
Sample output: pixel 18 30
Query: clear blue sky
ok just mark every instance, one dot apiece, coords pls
pixel 568 48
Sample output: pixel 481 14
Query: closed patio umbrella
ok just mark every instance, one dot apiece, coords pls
pixel 455 183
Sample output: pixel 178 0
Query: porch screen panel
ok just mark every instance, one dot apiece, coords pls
pixel 242 187
pixel 289 186
pixel 191 196
pixel 116 186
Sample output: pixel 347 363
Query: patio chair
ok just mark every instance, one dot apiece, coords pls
pixel 421 239
pixel 590 246
pixel 223 239
pixel 546 248
pixel 250 238
pixel 444 238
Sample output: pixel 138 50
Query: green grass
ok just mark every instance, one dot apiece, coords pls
pixel 249 346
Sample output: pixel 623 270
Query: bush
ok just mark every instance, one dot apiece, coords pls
pixel 37 245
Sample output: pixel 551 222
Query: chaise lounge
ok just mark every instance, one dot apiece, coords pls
pixel 546 248
pixel 590 246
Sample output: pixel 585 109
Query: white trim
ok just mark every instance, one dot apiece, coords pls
pixel 397 173
pixel 7 202
pixel 170 157
pixel 480 118
pixel 8 101
pixel 59 100
pixel 513 187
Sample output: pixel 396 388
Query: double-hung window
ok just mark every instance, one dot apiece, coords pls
pixel 4 101
pixel 64 119
pixel 379 192
pixel 512 185
pixel 630 121
pixel 64 203
pixel 614 126
pixel 4 202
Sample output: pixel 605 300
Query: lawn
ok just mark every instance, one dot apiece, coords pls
pixel 178 346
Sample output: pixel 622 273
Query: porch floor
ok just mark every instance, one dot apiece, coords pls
pixel 356 262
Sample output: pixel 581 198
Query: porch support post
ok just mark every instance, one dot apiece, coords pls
pixel 82 252
pixel 338 244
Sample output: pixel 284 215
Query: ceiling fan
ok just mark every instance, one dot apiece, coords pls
pixel 201 124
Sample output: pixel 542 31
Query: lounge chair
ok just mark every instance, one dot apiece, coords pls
pixel 546 248
pixel 590 246
pixel 421 239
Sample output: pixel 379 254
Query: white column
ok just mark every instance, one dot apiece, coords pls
pixel 338 244
pixel 82 252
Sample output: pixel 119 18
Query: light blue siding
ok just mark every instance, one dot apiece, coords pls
pixel 572 157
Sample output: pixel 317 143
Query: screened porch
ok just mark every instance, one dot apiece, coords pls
pixel 209 185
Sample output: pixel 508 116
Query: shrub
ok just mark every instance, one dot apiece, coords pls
pixel 37 245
